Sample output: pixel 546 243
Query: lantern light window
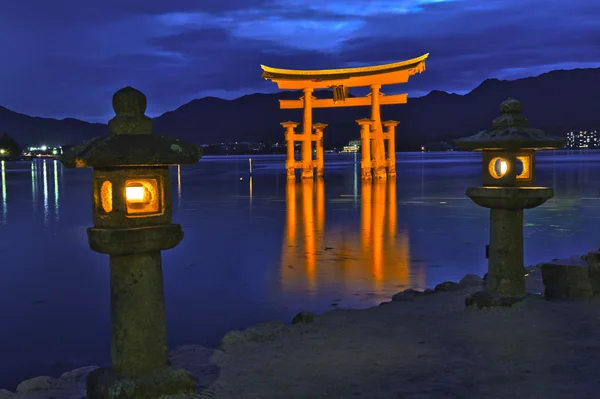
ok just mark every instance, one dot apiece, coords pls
pixel 142 197
pixel 106 199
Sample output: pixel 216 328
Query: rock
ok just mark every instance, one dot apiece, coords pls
pixel 428 292
pixel 485 299
pixel 36 384
pixel 566 281
pixel 593 260
pixel 530 269
pixel 470 280
pixel 259 333
pixel 78 373
pixel 384 303
pixel 6 394
pixel 403 297
pixel 303 317
pixel 485 278
pixel 406 295
pixel 447 286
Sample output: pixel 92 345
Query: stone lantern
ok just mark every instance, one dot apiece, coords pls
pixel 508 154
pixel 132 224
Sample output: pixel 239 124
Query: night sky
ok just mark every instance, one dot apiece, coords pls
pixel 65 58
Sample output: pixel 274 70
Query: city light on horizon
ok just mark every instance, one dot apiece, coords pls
pixel 583 139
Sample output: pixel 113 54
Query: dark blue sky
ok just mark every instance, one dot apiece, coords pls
pixel 65 58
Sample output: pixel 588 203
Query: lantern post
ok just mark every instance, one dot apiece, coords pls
pixel 508 171
pixel 132 224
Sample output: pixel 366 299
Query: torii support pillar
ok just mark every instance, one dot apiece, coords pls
pixel 365 135
pixel 307 151
pixel 290 162
pixel 390 134
pixel 320 152
pixel 377 145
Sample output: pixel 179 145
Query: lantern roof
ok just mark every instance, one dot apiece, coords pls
pixel 511 132
pixel 130 141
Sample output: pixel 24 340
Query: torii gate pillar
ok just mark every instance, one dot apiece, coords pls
pixel 377 145
pixel 307 151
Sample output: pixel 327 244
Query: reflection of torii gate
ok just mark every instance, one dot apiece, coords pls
pixel 374 256
pixel 339 80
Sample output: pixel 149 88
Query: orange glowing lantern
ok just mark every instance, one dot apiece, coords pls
pixel 508 158
pixel 131 180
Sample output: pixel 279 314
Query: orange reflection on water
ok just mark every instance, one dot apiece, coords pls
pixel 381 244
pixel 372 257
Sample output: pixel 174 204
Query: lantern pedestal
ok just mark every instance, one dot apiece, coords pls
pixel 505 266
pixel 140 367
pixel 132 223
pixel 166 382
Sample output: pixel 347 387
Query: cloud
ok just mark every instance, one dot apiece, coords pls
pixel 66 59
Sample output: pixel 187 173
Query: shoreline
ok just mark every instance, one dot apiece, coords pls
pixel 215 367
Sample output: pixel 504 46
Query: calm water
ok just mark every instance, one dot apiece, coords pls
pixel 258 250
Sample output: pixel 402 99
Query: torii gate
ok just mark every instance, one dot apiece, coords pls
pixel 339 80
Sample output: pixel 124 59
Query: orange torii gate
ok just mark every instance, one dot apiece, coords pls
pixel 339 80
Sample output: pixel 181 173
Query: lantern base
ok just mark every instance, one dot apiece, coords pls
pixel 510 198
pixel 104 383
pixel 134 240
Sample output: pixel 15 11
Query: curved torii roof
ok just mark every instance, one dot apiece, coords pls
pixel 397 72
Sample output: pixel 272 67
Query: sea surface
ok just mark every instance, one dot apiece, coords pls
pixel 260 249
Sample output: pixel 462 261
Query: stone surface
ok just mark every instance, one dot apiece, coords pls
pixel 130 141
pixel 486 299
pixel 505 265
pixel 78 373
pixel 402 297
pixel 509 198
pixel 36 384
pixel 195 359
pixel 127 241
pixel 138 326
pixel 566 281
pixel 406 295
pixel 471 279
pixel 510 131
pixel 443 346
pixel 304 317
pixel 593 262
pixel 447 286
pixel 105 384
pixel 131 150
pixel 260 333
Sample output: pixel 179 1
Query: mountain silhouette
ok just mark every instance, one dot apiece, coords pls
pixel 556 101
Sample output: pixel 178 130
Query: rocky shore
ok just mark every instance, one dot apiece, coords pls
pixel 417 345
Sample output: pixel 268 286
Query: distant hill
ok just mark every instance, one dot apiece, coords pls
pixel 556 101
pixel 27 130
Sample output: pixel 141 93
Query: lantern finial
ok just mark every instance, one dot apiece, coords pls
pixel 129 105
pixel 511 115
